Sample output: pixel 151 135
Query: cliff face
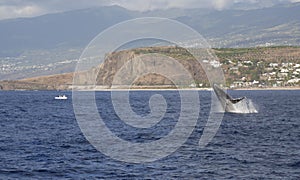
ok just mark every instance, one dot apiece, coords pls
pixel 149 67
pixel 160 66
pixel 137 67
pixel 111 65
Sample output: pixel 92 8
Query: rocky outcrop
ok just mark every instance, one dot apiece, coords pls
pixel 158 67
pixel 155 59
pixel 144 62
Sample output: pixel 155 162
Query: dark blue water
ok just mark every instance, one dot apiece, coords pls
pixel 40 138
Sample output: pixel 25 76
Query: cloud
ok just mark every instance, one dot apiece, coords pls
pixel 28 8
pixel 23 11
pixel 222 4
pixel 166 4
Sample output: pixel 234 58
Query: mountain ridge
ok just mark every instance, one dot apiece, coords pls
pixel 52 44
pixel 78 27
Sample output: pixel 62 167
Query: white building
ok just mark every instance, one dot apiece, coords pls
pixel 273 65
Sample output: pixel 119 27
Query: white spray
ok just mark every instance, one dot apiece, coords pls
pixel 244 106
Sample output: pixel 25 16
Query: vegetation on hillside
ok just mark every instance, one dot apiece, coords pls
pixel 243 67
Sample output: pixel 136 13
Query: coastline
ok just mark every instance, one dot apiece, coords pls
pixel 158 88
pixel 187 89
pixel 268 88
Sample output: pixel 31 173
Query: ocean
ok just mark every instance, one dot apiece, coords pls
pixel 40 138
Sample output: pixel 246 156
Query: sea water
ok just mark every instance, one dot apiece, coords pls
pixel 40 138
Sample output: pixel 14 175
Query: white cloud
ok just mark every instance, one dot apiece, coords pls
pixel 23 11
pixel 28 8
pixel 221 4
pixel 139 5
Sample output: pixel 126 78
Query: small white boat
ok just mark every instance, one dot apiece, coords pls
pixel 61 97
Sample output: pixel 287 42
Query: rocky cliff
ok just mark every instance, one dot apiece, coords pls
pixel 160 67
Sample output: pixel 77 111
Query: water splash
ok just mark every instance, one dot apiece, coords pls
pixel 245 106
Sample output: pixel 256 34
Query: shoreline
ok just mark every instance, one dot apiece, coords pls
pixel 267 88
pixel 190 89
pixel 162 89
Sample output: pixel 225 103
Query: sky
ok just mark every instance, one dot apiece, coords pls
pixel 31 8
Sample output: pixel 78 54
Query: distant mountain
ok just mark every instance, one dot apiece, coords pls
pixel 278 25
pixel 77 28
pixel 54 38
pixel 247 5
pixel 69 29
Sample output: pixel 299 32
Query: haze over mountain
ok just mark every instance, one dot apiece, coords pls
pixel 76 28
pixel 53 38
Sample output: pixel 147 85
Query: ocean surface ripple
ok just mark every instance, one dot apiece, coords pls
pixel 40 138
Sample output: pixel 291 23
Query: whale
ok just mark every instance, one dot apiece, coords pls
pixel 228 103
